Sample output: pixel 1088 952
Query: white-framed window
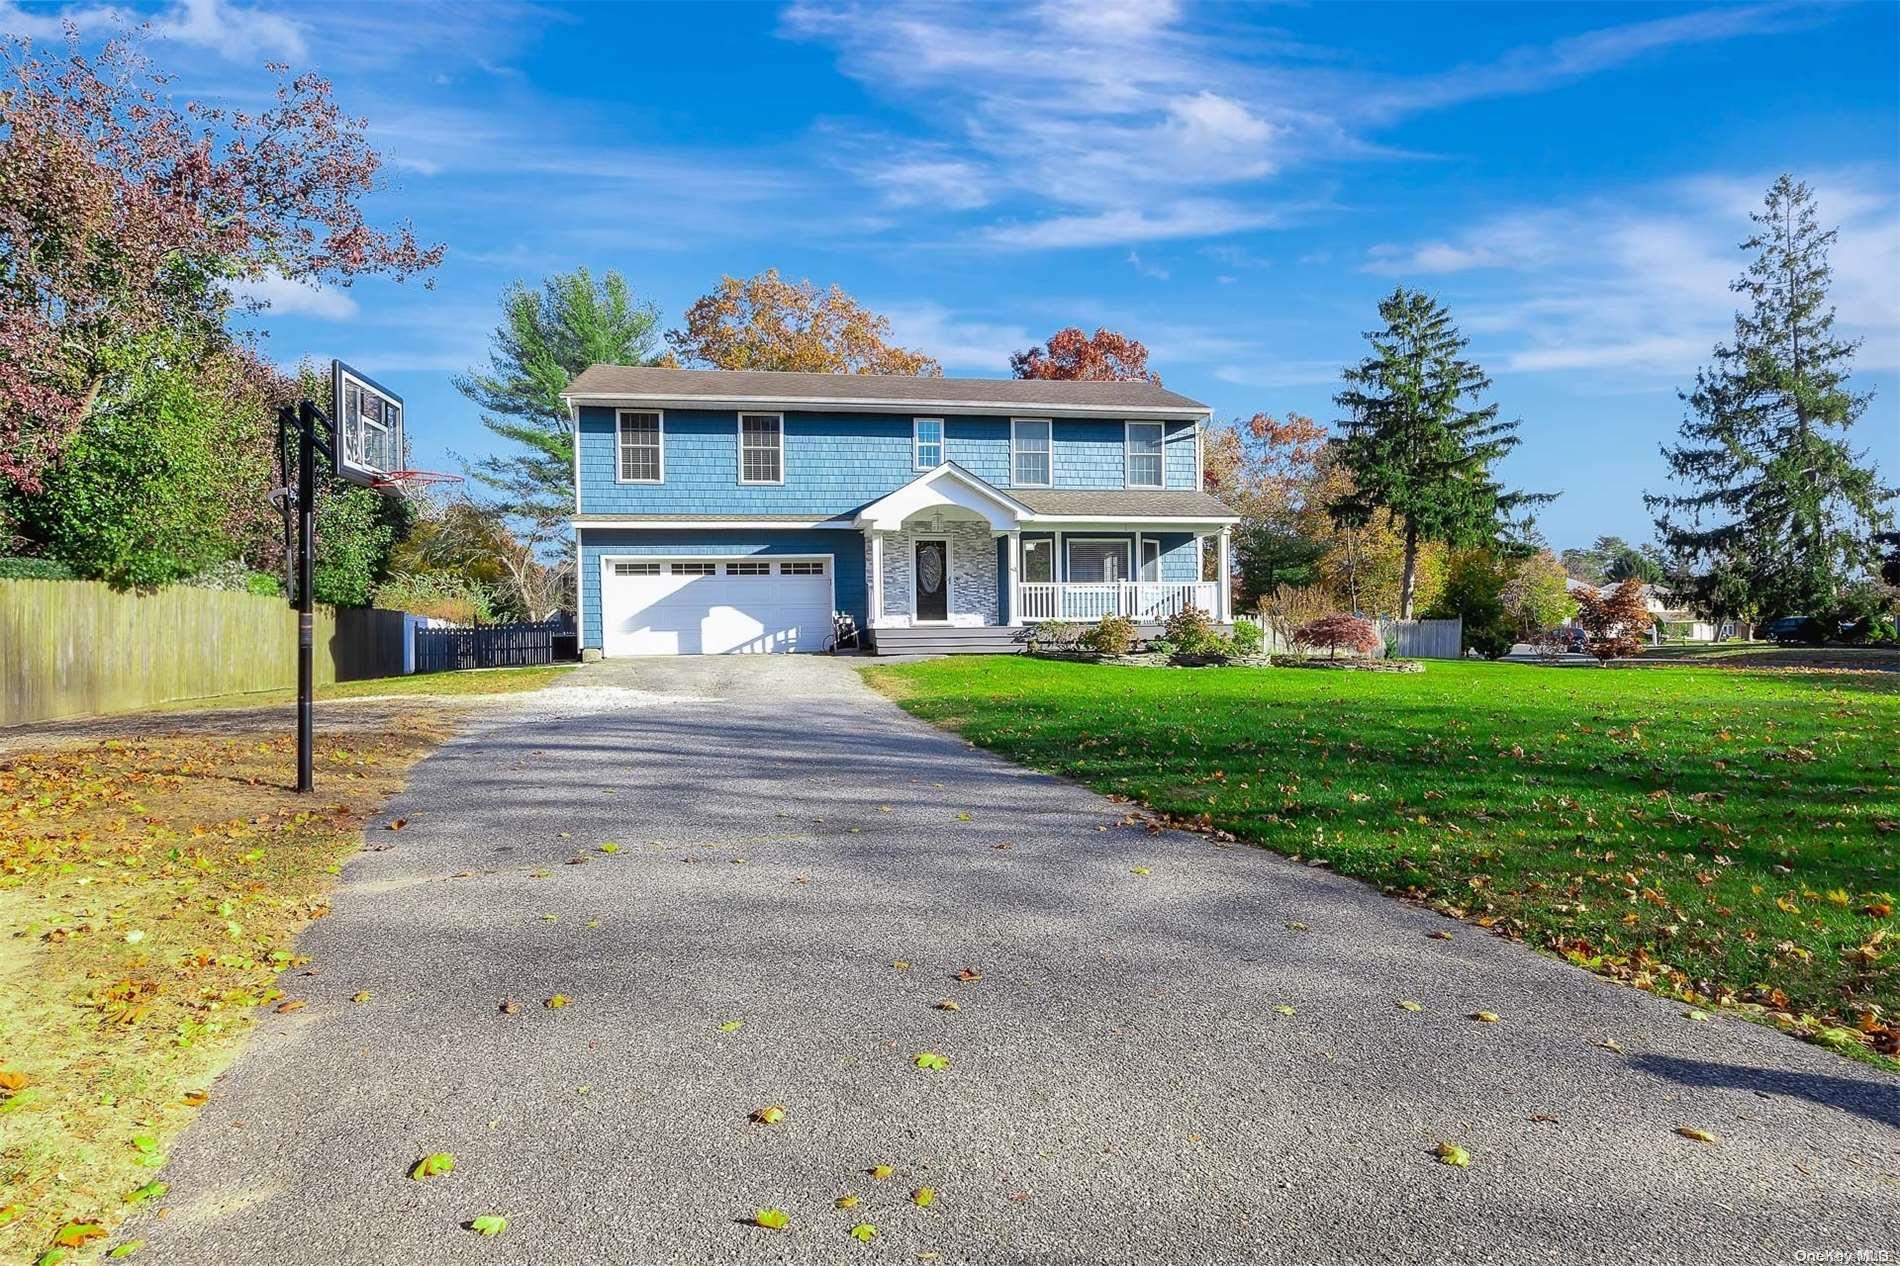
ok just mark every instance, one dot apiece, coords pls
pixel 636 569
pixel 926 443
pixel 1150 558
pixel 1141 442
pixel 1096 561
pixel 692 569
pixel 811 567
pixel 1029 459
pixel 748 569
pixel 642 448
pixel 761 448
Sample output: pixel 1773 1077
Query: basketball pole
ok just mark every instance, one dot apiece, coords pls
pixel 305 419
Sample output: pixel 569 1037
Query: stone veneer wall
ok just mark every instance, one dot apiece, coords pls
pixel 973 581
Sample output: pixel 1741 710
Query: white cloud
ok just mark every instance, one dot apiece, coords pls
pixel 1146 269
pixel 235 32
pixel 1198 218
pixel 953 183
pixel 982 347
pixel 286 296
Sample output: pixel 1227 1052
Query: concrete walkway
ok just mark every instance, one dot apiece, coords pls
pixel 1203 1062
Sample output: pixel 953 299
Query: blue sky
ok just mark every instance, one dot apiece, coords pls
pixel 1236 186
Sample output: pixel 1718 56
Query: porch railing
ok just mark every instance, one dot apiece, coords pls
pixel 1146 600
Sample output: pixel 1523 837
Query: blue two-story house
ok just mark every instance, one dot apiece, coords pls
pixel 720 511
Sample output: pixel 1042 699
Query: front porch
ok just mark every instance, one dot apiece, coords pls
pixel 953 563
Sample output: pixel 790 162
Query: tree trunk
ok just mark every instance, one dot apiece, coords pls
pixel 1408 580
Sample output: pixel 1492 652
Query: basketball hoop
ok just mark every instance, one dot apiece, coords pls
pixel 411 483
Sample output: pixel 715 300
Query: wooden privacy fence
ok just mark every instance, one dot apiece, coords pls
pixel 1424 639
pixel 487 646
pixel 78 647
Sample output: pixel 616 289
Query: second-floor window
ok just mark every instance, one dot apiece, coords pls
pixel 761 448
pixel 1143 455
pixel 1029 452
pixel 926 442
pixel 641 461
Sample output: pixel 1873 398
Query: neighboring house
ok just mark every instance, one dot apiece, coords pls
pixel 1670 621
pixel 720 511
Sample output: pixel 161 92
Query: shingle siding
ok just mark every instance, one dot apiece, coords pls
pixel 846 548
pixel 836 463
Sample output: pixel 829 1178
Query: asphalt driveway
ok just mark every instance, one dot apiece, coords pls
pixel 1177 1052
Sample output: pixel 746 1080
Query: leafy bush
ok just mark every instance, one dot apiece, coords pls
pixel 1615 621
pixel 443 595
pixel 35 569
pixel 356 528
pixel 1287 608
pixel 232 576
pixel 1192 631
pixel 1111 635
pixel 1161 646
pixel 1249 638
pixel 1335 633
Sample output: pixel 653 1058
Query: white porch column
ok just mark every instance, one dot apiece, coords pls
pixel 1014 579
pixel 1226 575
pixel 877 579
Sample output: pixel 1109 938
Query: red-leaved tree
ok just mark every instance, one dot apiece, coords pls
pixel 1614 621
pixel 1070 353
pixel 1340 633
pixel 123 216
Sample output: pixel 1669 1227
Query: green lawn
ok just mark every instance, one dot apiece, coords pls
pixel 1719 835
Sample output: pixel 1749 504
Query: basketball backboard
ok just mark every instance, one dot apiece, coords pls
pixel 369 418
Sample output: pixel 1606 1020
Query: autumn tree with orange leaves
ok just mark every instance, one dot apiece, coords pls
pixel 1105 356
pixel 766 322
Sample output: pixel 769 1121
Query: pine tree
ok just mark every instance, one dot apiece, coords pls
pixel 1781 514
pixel 1413 448
pixel 546 337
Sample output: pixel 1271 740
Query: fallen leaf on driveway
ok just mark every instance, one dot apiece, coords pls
pixel 150 1191
pixel 1004 844
pixel 489 1225
pixel 1484 1017
pixel 557 1001
pixel 1408 1005
pixel 1610 1044
pixel 770 1115
pixel 290 1004
pixel 1139 870
pixel 579 859
pixel 1284 1009
pixel 396 824
pixel 196 1098
pixel 969 975
pixel 931 1060
pixel 947 1004
pixel 510 1007
pixel 1298 927
pixel 1439 936
pixel 732 1026
pixel 772 1219
pixel 1452 1154
pixel 863 1232
pixel 902 964
pixel 361 995
pixel 846 1201
pixel 610 847
pixel 924 1197
pixel 1695 1015
pixel 431 1165
pixel 1544 1118
pixel 1691 1132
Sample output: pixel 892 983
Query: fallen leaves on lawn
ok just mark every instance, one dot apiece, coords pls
pixel 772 1219
pixel 150 1191
pixel 126 1250
pixel 197 1098
pixel 1699 1135
pixel 488 1225
pixel 433 1165
pixel 73 1234
pixel 931 1060
pixel 1452 1154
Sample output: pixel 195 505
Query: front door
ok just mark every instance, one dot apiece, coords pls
pixel 932 573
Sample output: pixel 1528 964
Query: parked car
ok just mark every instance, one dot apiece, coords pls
pixel 1796 630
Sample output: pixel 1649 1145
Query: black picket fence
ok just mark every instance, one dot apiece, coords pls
pixel 493 646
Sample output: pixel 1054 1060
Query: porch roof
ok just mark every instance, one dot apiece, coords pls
pixel 1134 503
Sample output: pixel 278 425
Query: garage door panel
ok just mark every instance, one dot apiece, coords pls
pixel 671 613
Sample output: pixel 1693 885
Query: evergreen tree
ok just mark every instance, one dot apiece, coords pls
pixel 1413 447
pixel 546 337
pixel 1780 515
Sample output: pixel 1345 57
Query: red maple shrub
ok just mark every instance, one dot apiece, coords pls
pixel 1339 632
pixel 1614 621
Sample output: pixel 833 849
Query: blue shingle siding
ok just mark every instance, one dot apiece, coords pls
pixel 1180 556
pixel 837 463
pixel 845 547
pixel 1178 457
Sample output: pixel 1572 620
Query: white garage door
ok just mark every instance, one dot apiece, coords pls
pixel 715 606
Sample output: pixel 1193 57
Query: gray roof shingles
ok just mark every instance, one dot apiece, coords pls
pixel 773 386
pixel 1135 503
